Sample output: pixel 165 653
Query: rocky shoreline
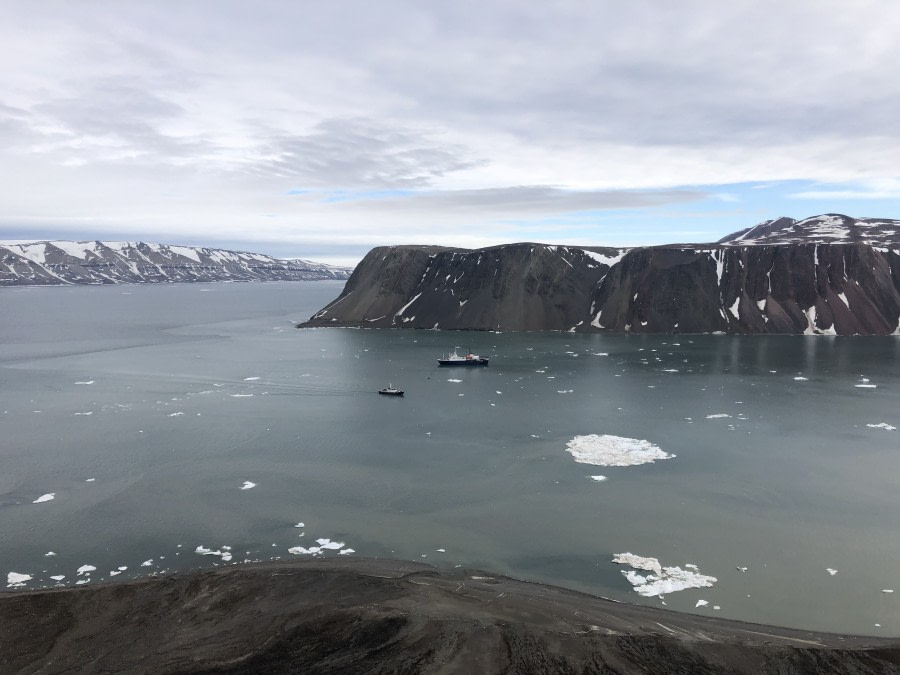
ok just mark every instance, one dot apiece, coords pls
pixel 372 616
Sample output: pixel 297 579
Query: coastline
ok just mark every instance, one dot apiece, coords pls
pixel 372 615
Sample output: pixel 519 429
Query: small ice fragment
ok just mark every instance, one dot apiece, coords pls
pixel 441 550
pixel 14 578
pixel 887 590
pixel 175 414
pixel 226 556
pixel 865 386
pixel 346 551
pixel 250 379
pixel 202 550
pixel 801 379
pixel 87 382
pixel 82 581
pixel 500 392
pixel 882 425
pixel 300 525
pixel 123 568
pixel 114 573
pixel 599 479
pixel 717 416
pixel 48 554
pixel 89 480
pixel 742 569
pixel 701 603
pixel 45 498
pixel 831 571
pixel 85 569
pixel 716 607
pixel 147 563
pixel 248 485
pixel 58 577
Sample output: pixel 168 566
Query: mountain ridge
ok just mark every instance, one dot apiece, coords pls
pixel 743 285
pixel 65 262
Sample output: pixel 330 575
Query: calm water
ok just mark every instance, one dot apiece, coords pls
pixel 791 483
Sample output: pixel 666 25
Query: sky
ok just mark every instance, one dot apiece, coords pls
pixel 321 129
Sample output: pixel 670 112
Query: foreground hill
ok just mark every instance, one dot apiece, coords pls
pixel 829 274
pixel 110 262
pixel 374 616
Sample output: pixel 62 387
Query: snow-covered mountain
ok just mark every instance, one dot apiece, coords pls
pixel 115 262
pixel 829 228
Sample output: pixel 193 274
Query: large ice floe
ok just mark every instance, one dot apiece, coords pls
pixel 661 580
pixel 605 450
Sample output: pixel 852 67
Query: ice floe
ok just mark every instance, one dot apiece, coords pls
pixel 865 386
pixel 300 525
pixel 346 551
pixel 15 579
pixel 45 498
pixel 49 553
pixel 452 379
pixel 800 378
pixel 599 479
pixel 147 563
pixel 85 569
pixel 58 577
pixel 701 603
pixel 887 590
pixel 250 379
pixel 830 571
pixel 661 580
pixel 606 450
pixel 330 545
pixel 86 382
pixel 882 425
pixel 248 485
pixel 717 416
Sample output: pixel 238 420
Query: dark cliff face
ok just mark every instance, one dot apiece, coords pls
pixel 842 289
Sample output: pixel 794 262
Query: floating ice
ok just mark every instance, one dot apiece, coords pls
pixel 147 563
pixel 87 382
pixel 453 380
pixel 202 550
pixel 701 603
pixel 85 569
pixel 717 416
pixel 113 573
pixel 887 590
pixel 250 379
pixel 865 386
pixel 882 425
pixel 240 395
pixel 49 553
pixel 346 551
pixel 801 379
pixel 226 556
pixel 599 479
pixel 328 544
pixel 58 577
pixel 89 480
pixel 441 550
pixel 175 414
pixel 16 579
pixel 300 550
pixel 831 571
pixel 248 485
pixel 122 568
pixel 45 498
pixel 608 450
pixel 661 580
pixel 300 525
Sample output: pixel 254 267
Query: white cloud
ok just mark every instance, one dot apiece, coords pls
pixel 198 117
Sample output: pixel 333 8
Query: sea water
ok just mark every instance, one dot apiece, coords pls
pixel 152 429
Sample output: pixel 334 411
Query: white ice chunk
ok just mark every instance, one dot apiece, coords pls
pixel 45 498
pixel 661 580
pixel 147 563
pixel 865 386
pixel 606 450
pixel 831 571
pixel 300 525
pixel 453 380
pixel 717 416
pixel 701 603
pixel 49 553
pixel 14 578
pixel 599 479
pixel 250 379
pixel 248 485
pixel 58 577
pixel 85 569
pixel 800 378
pixel 882 425
pixel 346 551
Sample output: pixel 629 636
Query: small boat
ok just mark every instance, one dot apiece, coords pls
pixel 470 359
pixel 390 390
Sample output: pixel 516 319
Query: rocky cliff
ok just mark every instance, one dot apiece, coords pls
pixel 775 278
pixel 96 262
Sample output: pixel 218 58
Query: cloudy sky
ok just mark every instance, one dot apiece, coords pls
pixel 321 129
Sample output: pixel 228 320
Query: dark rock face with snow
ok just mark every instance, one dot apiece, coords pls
pixel 94 262
pixel 742 285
